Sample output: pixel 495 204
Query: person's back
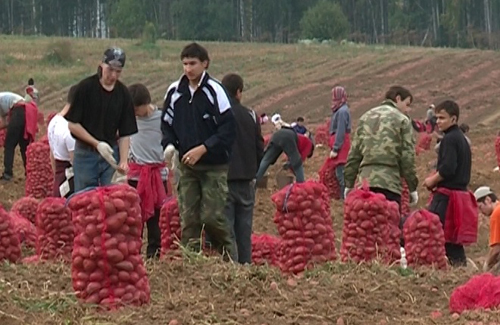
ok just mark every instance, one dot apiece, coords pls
pixel 246 155
pixel 380 145
pixel 145 145
pixel 7 101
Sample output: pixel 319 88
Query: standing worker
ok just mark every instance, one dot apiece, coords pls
pixel 383 149
pixel 340 130
pixel 198 123
pixel 147 171
pixel 451 198
pixel 247 153
pixel 62 147
pixel 19 117
pixel 101 119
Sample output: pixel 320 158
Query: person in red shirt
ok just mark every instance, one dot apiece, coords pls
pixel 488 204
pixel 297 147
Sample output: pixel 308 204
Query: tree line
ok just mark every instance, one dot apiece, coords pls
pixel 450 23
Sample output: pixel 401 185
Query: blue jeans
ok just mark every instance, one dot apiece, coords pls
pixel 91 170
pixel 339 172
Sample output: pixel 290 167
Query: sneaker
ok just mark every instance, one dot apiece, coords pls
pixel 6 177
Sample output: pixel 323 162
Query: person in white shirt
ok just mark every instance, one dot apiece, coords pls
pixel 62 146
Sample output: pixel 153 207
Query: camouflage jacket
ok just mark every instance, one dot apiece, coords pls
pixel 382 150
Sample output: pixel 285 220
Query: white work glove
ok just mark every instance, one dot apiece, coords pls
pixel 496 169
pixel 346 191
pixel 333 154
pixel 106 152
pixel 174 162
pixel 413 198
pixel 169 152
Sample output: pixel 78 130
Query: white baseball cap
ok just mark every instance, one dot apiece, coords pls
pixel 482 192
pixel 276 118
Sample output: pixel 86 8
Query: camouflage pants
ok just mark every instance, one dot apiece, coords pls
pixel 202 192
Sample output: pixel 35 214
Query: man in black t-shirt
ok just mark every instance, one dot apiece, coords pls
pixel 101 119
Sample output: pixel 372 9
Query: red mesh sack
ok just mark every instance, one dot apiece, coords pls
pixel 328 178
pixel 50 117
pixel 170 226
pixel 25 230
pixel 10 248
pixel 107 267
pixel 424 141
pixel 424 240
pixel 39 174
pixel 40 118
pixel 305 226
pixel 55 232
pixel 265 249
pixel 371 225
pixel 480 292
pixel 3 132
pixel 321 136
pixel 405 199
pixel 26 206
pixel 391 251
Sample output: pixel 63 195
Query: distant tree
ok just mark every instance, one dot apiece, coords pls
pixel 127 18
pixel 325 20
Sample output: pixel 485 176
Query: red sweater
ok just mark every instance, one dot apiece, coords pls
pixel 304 146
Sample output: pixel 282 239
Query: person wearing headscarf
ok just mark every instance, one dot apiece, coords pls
pixel 340 129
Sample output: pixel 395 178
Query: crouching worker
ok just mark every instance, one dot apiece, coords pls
pixel 147 171
pixel 488 204
pixel 62 147
pixel 452 202
pixel 19 117
pixel 296 146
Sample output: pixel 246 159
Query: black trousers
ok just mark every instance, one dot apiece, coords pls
pixel 454 252
pixel 154 232
pixel 14 137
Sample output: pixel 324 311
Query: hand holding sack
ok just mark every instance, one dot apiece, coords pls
pixel 424 240
pixel 370 223
pixel 55 232
pixel 39 173
pixel 305 226
pixel 107 266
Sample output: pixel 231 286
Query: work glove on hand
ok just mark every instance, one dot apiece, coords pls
pixel 413 198
pixel 174 162
pixel 106 152
pixel 333 154
pixel 169 152
pixel 346 191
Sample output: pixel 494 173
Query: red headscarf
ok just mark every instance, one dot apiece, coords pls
pixel 339 97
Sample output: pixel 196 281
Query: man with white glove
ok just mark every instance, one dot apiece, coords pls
pixel 198 121
pixel 101 118
pixel 383 149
